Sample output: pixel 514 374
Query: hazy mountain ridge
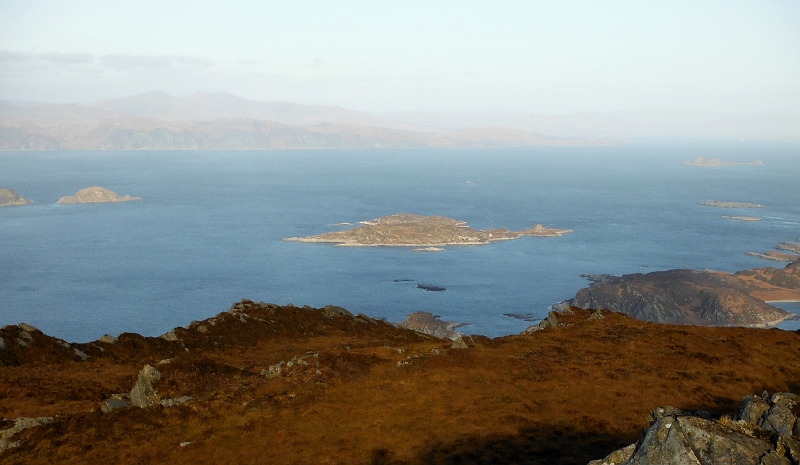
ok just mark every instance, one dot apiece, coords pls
pixel 158 121
pixel 634 123
pixel 220 121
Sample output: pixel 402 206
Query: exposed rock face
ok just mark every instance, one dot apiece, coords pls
pixel 678 437
pixel 143 393
pixel 428 323
pixel 96 195
pixel 20 424
pixel 9 197
pixel 407 230
pixel 682 297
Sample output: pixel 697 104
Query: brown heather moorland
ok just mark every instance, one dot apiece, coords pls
pixel 369 392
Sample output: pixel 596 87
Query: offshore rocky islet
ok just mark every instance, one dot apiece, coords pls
pixel 9 197
pixel 409 230
pixel 96 195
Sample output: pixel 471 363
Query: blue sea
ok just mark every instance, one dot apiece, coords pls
pixel 209 229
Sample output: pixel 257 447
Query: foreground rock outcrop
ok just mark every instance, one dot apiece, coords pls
pixel 96 195
pixel 766 431
pixel 707 298
pixel 407 230
pixel 9 197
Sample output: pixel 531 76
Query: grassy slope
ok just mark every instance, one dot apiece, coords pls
pixel 563 395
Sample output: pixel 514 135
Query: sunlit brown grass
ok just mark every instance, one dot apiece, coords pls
pixel 563 395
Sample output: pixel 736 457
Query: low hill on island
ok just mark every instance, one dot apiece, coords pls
pixel 9 197
pixel 263 383
pixel 407 230
pixel 96 195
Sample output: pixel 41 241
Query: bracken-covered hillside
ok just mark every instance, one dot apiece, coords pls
pixel 288 385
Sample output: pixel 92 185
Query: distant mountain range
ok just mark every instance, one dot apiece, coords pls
pixel 158 121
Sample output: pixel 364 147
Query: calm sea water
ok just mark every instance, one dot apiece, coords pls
pixel 209 229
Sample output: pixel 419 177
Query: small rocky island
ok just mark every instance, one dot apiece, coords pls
pixel 407 230
pixel 715 162
pixel 719 204
pixel 96 195
pixel 9 197
pixel 742 218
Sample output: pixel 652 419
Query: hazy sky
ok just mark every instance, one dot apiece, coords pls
pixel 554 56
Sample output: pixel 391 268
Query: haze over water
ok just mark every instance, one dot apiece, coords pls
pixel 209 229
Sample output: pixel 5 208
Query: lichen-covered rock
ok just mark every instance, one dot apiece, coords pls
pixel 109 339
pixel 114 403
pixel 677 437
pixel 82 355
pixel 28 328
pixel 779 419
pixel 170 336
pixel 458 343
pixel 753 408
pixel 597 315
pixel 20 424
pixel 273 371
pixel 173 402
pixel 334 311
pixel 792 447
pixel 617 457
pixel 143 393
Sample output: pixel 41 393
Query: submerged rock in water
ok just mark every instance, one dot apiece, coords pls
pixel 430 287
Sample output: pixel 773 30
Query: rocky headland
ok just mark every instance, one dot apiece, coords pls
pixel 785 252
pixel 263 383
pixel 96 195
pixel 408 230
pixel 9 197
pixel 692 297
pixel 715 162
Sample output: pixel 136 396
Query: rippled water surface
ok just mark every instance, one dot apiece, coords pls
pixel 208 230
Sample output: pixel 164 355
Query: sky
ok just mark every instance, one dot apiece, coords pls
pixel 461 57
